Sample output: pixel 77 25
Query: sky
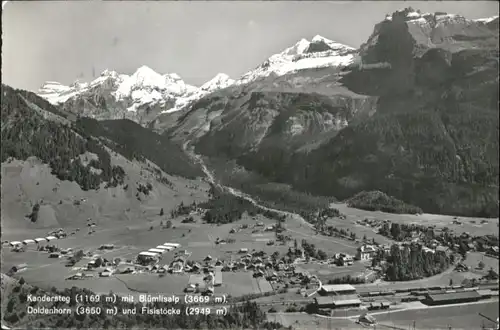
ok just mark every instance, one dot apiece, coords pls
pixel 68 40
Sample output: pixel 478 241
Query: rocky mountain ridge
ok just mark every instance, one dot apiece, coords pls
pixel 145 95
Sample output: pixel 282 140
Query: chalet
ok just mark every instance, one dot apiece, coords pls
pixel 107 247
pixel 77 276
pixel 207 258
pixel 15 243
pixel 28 241
pixel 177 267
pixel 366 252
pixel 385 248
pixel 492 251
pixel 54 255
pixel 105 273
pixel 345 260
pixel 209 291
pixel 50 238
pixel 180 259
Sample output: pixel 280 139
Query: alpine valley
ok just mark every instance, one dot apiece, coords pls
pixel 412 113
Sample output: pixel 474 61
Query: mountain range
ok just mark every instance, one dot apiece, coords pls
pixel 412 112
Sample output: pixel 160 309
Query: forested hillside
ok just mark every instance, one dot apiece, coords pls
pixel 136 142
pixel 26 132
pixel 33 127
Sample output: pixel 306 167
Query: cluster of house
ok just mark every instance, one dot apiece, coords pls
pixel 256 227
pixel 211 279
pixel 18 246
pixel 154 254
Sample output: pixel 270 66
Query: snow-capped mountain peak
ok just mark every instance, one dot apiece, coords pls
pixel 299 48
pixel 220 81
pixel 303 55
pixel 318 38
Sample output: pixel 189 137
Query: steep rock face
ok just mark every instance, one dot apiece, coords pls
pixel 285 121
pixel 434 139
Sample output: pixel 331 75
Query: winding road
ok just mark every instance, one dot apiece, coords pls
pixel 211 179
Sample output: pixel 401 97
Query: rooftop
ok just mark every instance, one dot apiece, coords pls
pixel 338 287
pixel 454 296
pixel 338 300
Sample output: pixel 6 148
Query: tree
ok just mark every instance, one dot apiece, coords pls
pixel 169 224
pixel 11 304
pixel 161 212
pixel 480 265
pixel 34 212
pixel 321 255
pixel 462 249
pixel 395 231
pixel 451 282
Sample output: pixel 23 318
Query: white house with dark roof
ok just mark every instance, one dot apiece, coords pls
pixel 366 252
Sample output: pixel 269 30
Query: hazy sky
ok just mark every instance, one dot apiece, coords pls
pixel 68 40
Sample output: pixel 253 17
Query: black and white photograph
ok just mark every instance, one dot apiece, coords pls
pixel 250 165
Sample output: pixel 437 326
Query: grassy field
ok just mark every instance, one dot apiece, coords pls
pixel 473 258
pixel 470 225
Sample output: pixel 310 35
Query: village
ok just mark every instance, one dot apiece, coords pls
pixel 284 264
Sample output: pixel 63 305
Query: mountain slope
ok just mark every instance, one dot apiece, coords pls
pixel 66 171
pixel 420 119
